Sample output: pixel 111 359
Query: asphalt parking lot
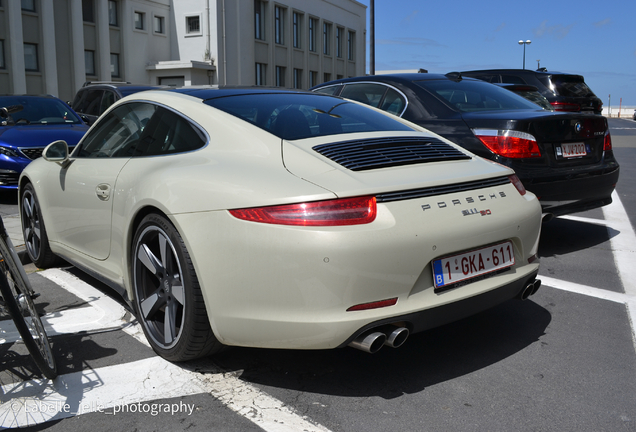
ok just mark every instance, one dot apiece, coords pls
pixel 564 360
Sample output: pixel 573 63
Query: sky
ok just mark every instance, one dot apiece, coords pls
pixel 595 39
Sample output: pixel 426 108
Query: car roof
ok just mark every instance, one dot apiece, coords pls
pixel 542 71
pixel 214 92
pixel 400 77
pixel 42 96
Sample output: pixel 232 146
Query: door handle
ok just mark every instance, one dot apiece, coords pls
pixel 103 191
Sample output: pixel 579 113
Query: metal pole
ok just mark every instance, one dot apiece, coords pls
pixel 372 38
pixel 524 55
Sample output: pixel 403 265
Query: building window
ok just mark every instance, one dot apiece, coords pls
pixel 280 76
pixel 260 74
pixel 350 44
pixel 313 24
pixel 2 64
pixel 28 5
pixel 159 23
pixel 88 14
pixel 298 78
pixel 139 20
pixel 89 62
pixel 313 78
pixel 297 30
pixel 193 24
pixel 339 37
pixel 31 57
pixel 327 77
pixel 279 25
pixel 259 20
pixel 114 65
pixel 326 38
pixel 112 13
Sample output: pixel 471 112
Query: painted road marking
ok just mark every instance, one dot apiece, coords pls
pixel 110 388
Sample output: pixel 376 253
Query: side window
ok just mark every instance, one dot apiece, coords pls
pixel 370 94
pixel 169 133
pixel 393 103
pixel 91 103
pixel 119 133
pixel 107 100
pixel 331 90
pixel 513 79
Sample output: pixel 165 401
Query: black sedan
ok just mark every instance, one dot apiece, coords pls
pixel 566 159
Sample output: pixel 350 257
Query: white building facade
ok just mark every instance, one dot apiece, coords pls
pixel 54 46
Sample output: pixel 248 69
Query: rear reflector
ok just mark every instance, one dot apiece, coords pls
pixel 517 183
pixel 346 211
pixel 373 305
pixel 509 143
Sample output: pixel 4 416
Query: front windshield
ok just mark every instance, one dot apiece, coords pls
pixel 29 110
pixel 469 95
pixel 293 116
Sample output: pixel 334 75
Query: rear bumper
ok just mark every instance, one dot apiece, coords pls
pixel 578 192
pixel 441 315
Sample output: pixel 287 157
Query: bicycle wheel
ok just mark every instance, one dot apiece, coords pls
pixel 17 295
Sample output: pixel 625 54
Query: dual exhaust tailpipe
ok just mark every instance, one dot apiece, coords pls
pixel 530 289
pixel 372 341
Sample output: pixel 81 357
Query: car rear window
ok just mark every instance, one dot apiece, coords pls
pixel 298 115
pixel 469 95
pixel 571 86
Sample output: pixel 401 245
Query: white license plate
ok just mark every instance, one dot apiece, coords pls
pixel 573 150
pixel 468 265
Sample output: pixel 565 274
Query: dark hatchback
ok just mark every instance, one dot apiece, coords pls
pixel 566 159
pixel 94 98
pixel 27 125
pixel 565 91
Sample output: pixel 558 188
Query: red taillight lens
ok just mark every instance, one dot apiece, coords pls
pixel 607 142
pixel 346 211
pixel 517 183
pixel 509 143
pixel 565 106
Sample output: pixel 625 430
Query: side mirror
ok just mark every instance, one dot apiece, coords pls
pixel 57 151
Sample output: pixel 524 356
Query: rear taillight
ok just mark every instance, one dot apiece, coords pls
pixel 346 211
pixel 607 142
pixel 565 106
pixel 517 183
pixel 509 143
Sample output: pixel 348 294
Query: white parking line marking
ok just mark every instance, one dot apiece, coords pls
pixel 112 387
pixel 584 219
pixel 583 289
pixel 624 251
pixel 623 248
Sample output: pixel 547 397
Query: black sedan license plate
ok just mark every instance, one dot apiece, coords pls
pixel 572 150
pixel 451 270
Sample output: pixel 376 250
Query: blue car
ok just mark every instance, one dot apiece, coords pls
pixel 27 125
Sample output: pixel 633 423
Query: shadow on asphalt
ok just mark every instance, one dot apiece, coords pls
pixel 565 236
pixel 426 359
pixel 8 197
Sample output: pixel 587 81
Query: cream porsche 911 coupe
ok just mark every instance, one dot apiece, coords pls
pixel 279 219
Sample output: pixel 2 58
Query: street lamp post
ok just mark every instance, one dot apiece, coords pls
pixel 524 43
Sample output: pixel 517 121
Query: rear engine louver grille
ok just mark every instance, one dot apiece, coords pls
pixel 359 155
pixel 440 190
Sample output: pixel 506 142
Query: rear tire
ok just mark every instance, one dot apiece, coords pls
pixel 168 297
